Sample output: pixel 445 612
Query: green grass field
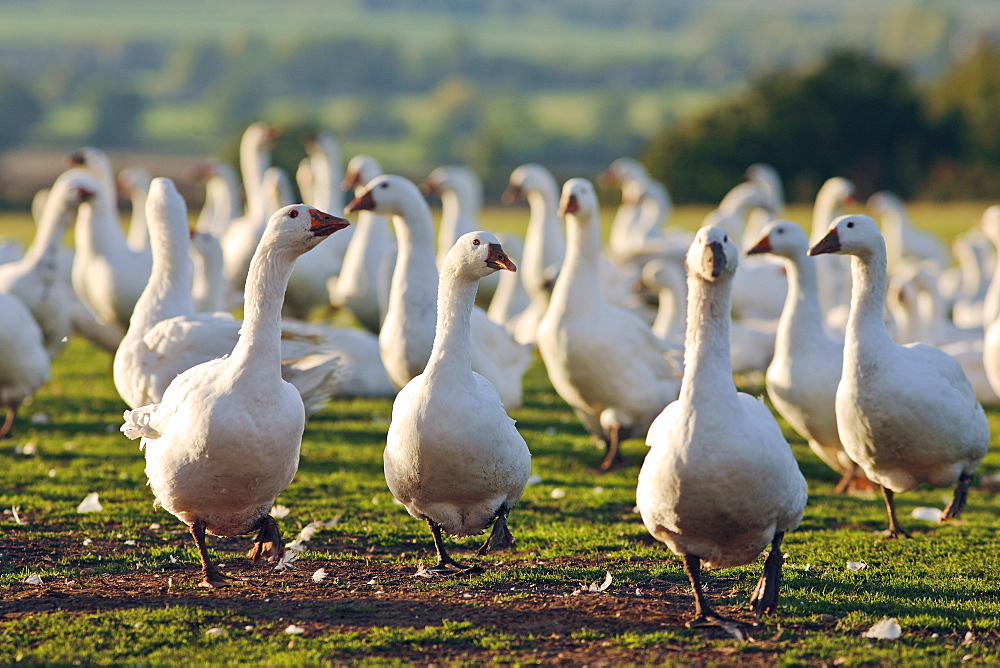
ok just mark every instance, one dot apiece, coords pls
pixel 572 527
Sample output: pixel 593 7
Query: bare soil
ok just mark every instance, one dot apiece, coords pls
pixel 381 591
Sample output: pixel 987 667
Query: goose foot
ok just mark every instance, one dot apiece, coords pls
pixel 704 615
pixel 957 504
pixel 895 529
pixel 733 627
pixel 765 595
pixel 445 566
pixel 500 537
pixel 613 457
pixel 268 542
pixel 211 576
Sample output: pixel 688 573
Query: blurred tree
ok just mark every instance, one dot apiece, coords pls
pixel 117 119
pixel 851 116
pixel 19 109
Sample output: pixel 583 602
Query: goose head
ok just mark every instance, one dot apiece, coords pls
pixel 299 227
pixel 165 203
pixel 360 170
pixel 989 222
pixel 476 255
pixel 388 195
pixel 579 199
pixel 529 177
pixel 712 255
pixel 622 170
pixel 74 186
pixel 782 237
pixel 854 234
pixel 450 177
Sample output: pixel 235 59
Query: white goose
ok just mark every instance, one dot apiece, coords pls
pixel 24 361
pixel 363 284
pixel 222 197
pixel 167 337
pixel 225 439
pixel 834 276
pixel 906 414
pixel 407 333
pixel 719 482
pixel 803 376
pixel 453 457
pixel 602 359
pixel 108 276
pixel 134 181
pixel 544 243
pixel 37 279
pixel 209 289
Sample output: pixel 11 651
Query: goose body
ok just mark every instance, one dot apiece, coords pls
pixel 224 441
pixel 906 414
pixel 803 376
pixel 38 279
pixel 24 361
pixel 166 336
pixel 453 457
pixel 602 359
pixel 407 333
pixel 719 482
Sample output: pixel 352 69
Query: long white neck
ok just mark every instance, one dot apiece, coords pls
pixel 254 161
pixel 98 231
pixel 415 275
pixel 459 209
pixel 138 228
pixel 55 219
pixel 452 351
pixel 708 372
pixel 802 315
pixel 866 325
pixel 579 280
pixel 327 175
pixel 221 206
pixel 544 241
pixel 168 292
pixel 260 335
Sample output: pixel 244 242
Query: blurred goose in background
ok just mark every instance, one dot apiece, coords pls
pixel 166 336
pixel 225 439
pixel 453 457
pixel 719 482
pixel 461 193
pixel 803 376
pixel 767 178
pixel 363 284
pixel 222 197
pixel 906 414
pixel 832 273
pixel 602 359
pixel 307 289
pixel 24 361
pixel 133 181
pixel 209 288
pixel 544 243
pixel 665 276
pixel 38 278
pixel 107 275
pixel 967 302
pixel 240 238
pixel 510 299
pixel 903 240
pixel 407 333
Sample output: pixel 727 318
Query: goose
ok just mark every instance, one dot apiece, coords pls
pixel 134 182
pixel 24 361
pixel 833 197
pixel 307 289
pixel 967 298
pixel 802 377
pixel 222 197
pixel 209 288
pixel 766 177
pixel 239 242
pixel 453 457
pixel 989 222
pixel 903 240
pixel 665 276
pixel 38 279
pixel 461 193
pixel 224 441
pixel 166 336
pixel 719 482
pixel 407 333
pixel 510 299
pixel 623 172
pixel 544 242
pixel 906 414
pixel 602 359
pixel 107 275
pixel 362 286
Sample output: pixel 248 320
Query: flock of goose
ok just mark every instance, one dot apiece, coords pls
pixel 641 338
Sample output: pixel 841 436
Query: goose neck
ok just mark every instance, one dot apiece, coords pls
pixel 802 315
pixel 869 276
pixel 580 270
pixel 260 335
pixel 51 229
pixel 452 350
pixel 707 365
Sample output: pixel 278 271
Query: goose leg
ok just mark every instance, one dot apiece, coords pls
pixel 8 421
pixel 957 504
pixel 613 456
pixel 500 537
pixel 268 542
pixel 211 577
pixel 895 530
pixel 704 615
pixel 765 596
pixel 445 565
pixel 849 482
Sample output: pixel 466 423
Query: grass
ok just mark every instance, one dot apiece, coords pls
pixel 574 524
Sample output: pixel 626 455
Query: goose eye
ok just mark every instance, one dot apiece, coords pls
pixel 294 213
pixel 850 224
pixel 475 242
pixel 725 238
pixel 384 184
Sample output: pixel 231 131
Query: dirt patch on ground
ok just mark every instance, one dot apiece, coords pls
pixel 376 590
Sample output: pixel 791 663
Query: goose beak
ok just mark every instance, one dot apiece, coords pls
pixel 363 202
pixel 428 187
pixel 828 244
pixel 510 195
pixel 324 224
pixel 718 258
pixel 569 205
pixel 85 194
pixel 351 180
pixel 762 246
pixel 77 158
pixel 497 259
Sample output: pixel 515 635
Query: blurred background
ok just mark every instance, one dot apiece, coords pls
pixel 893 94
